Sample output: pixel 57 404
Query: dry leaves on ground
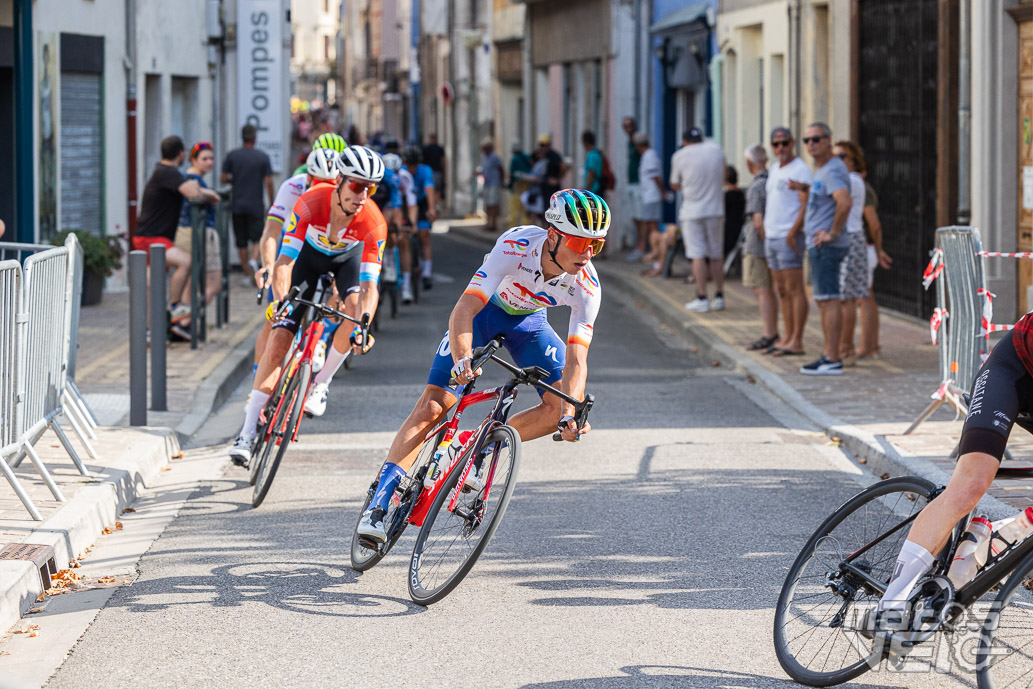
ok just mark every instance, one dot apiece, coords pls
pixel 715 363
pixel 166 468
pixel 128 509
pixel 178 455
pixel 30 630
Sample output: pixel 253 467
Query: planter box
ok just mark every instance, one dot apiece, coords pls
pixel 92 288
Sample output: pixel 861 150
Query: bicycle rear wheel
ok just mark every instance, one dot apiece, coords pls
pixel 449 543
pixel 821 607
pixel 282 431
pixel 1004 657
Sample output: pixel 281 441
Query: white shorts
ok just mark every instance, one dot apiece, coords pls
pixel 704 237
pixel 634 201
pixel 492 196
pixel 873 263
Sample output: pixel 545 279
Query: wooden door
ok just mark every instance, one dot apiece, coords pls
pixel 1025 168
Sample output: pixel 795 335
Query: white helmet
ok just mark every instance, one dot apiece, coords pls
pixel 393 161
pixel 322 163
pixel 579 213
pixel 359 162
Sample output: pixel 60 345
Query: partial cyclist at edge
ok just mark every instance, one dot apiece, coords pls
pixel 427 210
pixel 529 270
pixel 1003 388
pixel 333 229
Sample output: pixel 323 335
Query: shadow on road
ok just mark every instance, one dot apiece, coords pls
pixel 660 676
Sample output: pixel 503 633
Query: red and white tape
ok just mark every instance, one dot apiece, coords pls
pixel 941 391
pixel 939 315
pixel 933 270
pixel 1005 254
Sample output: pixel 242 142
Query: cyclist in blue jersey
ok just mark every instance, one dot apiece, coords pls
pixel 427 209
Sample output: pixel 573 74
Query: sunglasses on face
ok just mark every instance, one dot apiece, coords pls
pixel 780 143
pixel 357 187
pixel 842 156
pixel 579 244
pixel 812 139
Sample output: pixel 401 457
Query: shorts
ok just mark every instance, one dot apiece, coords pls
pixel 634 201
pixel 422 221
pixel 492 196
pixel 141 243
pixel 212 254
pixel 247 228
pixel 704 237
pixel 650 212
pixel 826 264
pixel 873 263
pixel 308 268
pixel 755 272
pixel 530 340
pixel 780 256
pixel 853 274
pixel 1002 389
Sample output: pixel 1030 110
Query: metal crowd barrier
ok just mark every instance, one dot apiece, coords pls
pixel 959 279
pixel 39 314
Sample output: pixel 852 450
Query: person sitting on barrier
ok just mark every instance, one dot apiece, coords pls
pixel 159 214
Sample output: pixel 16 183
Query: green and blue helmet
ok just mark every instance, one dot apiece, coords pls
pixel 579 213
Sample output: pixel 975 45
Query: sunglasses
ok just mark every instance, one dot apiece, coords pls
pixel 359 187
pixel 579 244
pixel 780 143
pixel 842 156
pixel 812 139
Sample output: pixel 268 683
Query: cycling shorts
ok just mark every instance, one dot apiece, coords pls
pixel 308 267
pixel 530 340
pixel 1002 390
pixel 422 222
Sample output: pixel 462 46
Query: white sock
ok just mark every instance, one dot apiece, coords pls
pixel 334 359
pixel 425 264
pixel 913 562
pixel 407 281
pixel 254 408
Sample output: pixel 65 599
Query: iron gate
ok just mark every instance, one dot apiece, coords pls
pixel 898 74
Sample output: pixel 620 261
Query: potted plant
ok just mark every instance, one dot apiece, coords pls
pixel 101 255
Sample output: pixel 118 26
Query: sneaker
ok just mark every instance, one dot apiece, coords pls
pixel 428 284
pixel 319 356
pixel 699 305
pixel 315 404
pixel 179 312
pixel 634 257
pixel 372 525
pixel 178 333
pixel 240 453
pixel 717 304
pixel 406 294
pixel 823 367
pixel 473 483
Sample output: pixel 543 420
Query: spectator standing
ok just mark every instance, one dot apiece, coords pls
pixel 492 171
pixel 519 166
pixel 202 161
pixel 783 238
pixel 534 202
pixel 633 195
pixel 247 168
pixel 593 163
pixel 434 157
pixel 735 210
pixel 555 168
pixel 698 171
pixel 651 190
pixel 159 214
pixel 755 272
pixel 853 277
pixel 824 225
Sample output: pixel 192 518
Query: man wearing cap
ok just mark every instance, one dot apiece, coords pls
pixel 491 171
pixel 555 167
pixel 698 171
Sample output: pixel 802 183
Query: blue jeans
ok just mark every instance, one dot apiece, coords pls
pixel 825 266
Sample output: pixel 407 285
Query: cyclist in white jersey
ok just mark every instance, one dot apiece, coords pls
pixel 529 270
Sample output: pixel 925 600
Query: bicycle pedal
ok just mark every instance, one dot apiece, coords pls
pixel 368 543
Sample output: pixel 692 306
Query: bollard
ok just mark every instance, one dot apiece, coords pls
pixel 158 327
pixel 198 276
pixel 137 338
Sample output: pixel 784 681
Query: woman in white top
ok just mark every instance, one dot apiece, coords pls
pixel 854 277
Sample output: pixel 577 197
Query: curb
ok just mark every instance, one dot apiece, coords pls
pixel 879 455
pixel 79 522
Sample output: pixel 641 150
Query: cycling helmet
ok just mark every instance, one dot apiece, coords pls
pixel 359 162
pixel 412 156
pixel 579 213
pixel 322 163
pixel 330 140
pixel 391 145
pixel 392 161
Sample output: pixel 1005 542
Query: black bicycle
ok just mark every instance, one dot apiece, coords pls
pixel 823 629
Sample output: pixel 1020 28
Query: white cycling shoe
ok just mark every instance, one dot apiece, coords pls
pixel 315 404
pixel 372 525
pixel 240 453
pixel 473 483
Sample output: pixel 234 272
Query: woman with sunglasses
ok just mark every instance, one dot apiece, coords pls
pixel 529 270
pixel 332 229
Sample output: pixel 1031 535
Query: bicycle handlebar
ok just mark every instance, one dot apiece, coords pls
pixel 322 309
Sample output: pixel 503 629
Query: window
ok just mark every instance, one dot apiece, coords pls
pixel 326 48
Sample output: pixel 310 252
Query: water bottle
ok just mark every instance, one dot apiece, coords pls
pixel 971 553
pixel 447 452
pixel 1010 531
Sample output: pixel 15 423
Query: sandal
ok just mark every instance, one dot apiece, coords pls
pixel 779 351
pixel 763 343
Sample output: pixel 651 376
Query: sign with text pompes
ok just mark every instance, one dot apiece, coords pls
pixel 260 67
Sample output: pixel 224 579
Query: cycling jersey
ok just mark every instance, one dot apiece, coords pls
pixel 423 178
pixel 407 186
pixel 393 183
pixel 286 196
pixel 511 278
pixel 310 225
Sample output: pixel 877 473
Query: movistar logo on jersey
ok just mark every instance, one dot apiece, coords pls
pixel 539 297
pixel 520 244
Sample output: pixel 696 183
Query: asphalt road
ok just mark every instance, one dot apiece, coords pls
pixel 648 555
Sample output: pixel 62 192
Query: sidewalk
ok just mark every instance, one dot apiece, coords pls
pixel 867 409
pixel 128 459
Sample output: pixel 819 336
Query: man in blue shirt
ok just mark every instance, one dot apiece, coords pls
pixel 426 202
pixel 593 163
pixel 491 172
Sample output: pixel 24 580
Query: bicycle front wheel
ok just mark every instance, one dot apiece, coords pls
pixel 1004 657
pixel 282 432
pixel 822 607
pixel 450 542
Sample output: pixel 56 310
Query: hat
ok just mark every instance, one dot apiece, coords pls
pixel 693 135
pixel 640 139
pixel 487 141
pixel 544 139
pixel 781 131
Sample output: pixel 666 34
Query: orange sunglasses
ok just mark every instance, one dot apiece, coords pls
pixel 579 244
pixel 359 187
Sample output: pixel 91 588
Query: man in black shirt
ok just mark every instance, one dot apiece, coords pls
pixel 159 215
pixel 248 169
pixel 434 157
pixel 554 170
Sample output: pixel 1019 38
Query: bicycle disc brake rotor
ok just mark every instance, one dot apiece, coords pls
pixel 929 605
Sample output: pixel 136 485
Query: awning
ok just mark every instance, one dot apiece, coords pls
pixel 677 20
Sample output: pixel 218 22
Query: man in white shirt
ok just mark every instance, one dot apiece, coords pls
pixel 783 238
pixel 698 171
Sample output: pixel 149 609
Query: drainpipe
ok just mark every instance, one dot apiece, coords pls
pixel 796 85
pixel 638 61
pixel 964 111
pixel 130 64
pixel 24 170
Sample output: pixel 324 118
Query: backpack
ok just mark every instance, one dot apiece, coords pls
pixel 607 181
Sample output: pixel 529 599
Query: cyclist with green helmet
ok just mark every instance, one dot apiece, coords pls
pixel 529 270
pixel 334 142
